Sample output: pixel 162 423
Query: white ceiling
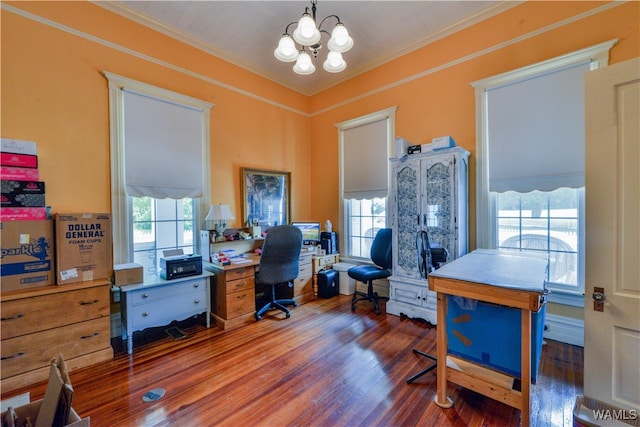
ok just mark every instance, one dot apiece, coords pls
pixel 247 32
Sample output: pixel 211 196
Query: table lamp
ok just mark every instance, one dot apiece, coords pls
pixel 219 214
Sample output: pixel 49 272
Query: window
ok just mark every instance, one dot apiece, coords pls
pixel 530 165
pixel 365 145
pixel 160 179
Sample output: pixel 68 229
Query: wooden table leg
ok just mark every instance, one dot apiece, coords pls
pixel 441 399
pixel 525 376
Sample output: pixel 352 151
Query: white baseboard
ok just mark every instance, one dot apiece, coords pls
pixel 564 329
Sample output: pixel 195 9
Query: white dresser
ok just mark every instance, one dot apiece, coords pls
pixel 428 193
pixel 158 302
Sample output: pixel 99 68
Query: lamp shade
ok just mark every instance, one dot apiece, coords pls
pixel 303 64
pixel 306 33
pixel 334 62
pixel 286 50
pixel 219 212
pixel 340 40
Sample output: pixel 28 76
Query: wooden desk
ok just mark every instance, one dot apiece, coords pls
pixel 234 296
pixel 500 278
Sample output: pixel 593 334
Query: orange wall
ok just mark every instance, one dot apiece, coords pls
pixel 53 93
pixel 442 102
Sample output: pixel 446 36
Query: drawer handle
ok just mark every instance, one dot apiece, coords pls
pixel 145 295
pixel 145 314
pixel 95 334
pixel 95 301
pixel 17 316
pixel 243 296
pixel 196 301
pixel 241 284
pixel 196 285
pixel 18 354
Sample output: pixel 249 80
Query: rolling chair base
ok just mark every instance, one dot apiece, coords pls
pixel 424 371
pixel 369 296
pixel 279 304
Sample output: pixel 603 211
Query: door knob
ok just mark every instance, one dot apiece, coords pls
pixel 598 298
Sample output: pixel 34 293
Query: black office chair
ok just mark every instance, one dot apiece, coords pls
pixel 429 258
pixel 381 257
pixel 279 264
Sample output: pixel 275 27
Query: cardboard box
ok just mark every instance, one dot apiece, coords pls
pixel 19 174
pixel 27 254
pixel 23 214
pixel 83 247
pixel 31 410
pixel 17 194
pixel 128 274
pixel 18 160
pixel 16 146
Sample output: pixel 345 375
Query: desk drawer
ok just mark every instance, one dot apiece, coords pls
pixel 159 312
pixel 302 285
pixel 27 315
pixel 168 290
pixel 29 352
pixel 238 285
pixel 239 273
pixel 239 303
pixel 305 269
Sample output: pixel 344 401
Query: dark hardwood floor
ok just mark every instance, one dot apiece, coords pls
pixel 325 366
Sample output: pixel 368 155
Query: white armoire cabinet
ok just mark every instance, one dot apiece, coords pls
pixel 428 193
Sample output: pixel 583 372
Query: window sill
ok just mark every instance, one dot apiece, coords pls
pixel 566 298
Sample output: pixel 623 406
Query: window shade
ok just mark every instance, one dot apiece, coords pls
pixel 536 137
pixel 365 161
pixel 163 148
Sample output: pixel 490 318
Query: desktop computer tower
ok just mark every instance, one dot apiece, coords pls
pixel 329 242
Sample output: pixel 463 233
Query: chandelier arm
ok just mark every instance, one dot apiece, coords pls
pixel 330 16
pixel 286 30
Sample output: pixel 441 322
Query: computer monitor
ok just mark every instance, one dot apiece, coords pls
pixel 310 232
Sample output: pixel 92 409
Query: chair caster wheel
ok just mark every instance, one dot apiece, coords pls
pixel 258 317
pixel 288 315
pixel 353 308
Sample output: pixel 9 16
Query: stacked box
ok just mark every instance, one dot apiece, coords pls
pixel 27 254
pixel 128 274
pixel 23 195
pixel 490 335
pixel 83 247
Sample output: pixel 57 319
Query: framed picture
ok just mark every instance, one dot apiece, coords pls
pixel 265 197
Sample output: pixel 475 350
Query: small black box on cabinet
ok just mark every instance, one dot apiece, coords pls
pixel 327 283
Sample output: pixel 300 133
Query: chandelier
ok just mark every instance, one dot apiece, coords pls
pixel 309 36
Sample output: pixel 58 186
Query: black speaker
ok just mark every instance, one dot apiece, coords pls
pixel 329 242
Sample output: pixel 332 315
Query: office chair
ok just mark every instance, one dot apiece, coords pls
pixel 429 258
pixel 381 257
pixel 279 264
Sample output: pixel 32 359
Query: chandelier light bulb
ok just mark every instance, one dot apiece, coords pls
pixel 334 62
pixel 304 65
pixel 286 50
pixel 306 33
pixel 340 40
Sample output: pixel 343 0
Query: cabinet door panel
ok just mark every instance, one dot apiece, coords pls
pixel 440 194
pixel 407 218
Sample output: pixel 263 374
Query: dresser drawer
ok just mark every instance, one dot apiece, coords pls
pixel 240 284
pixel 305 269
pixel 25 353
pixel 168 290
pixel 156 311
pixel 27 315
pixel 239 303
pixel 302 285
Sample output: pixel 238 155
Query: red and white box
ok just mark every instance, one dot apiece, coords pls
pixel 17 146
pixel 23 214
pixel 8 173
pixel 18 160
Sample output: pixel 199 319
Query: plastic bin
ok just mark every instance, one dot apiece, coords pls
pixel 347 285
pixel 489 335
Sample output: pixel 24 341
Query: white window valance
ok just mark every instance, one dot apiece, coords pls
pixel 162 148
pixel 536 132
pixel 365 159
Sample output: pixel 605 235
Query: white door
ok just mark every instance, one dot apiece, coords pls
pixel 612 336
